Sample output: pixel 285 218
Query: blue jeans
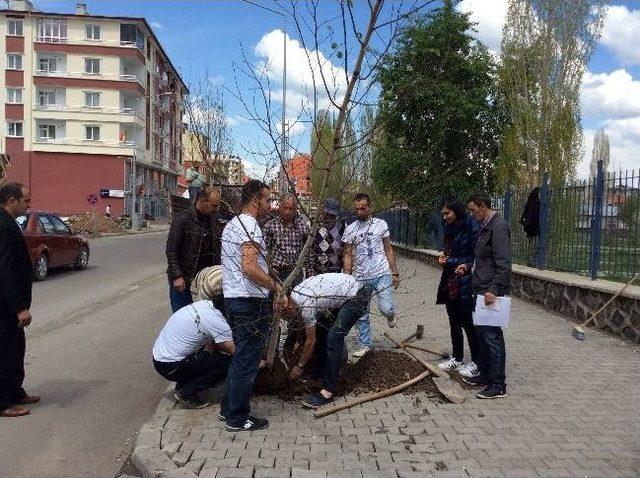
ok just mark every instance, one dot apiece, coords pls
pixel 179 299
pixel 493 354
pixel 250 320
pixel 382 287
pixel 347 317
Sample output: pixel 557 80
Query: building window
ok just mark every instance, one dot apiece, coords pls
pixel 92 99
pixel 93 32
pixel 47 131
pixel 14 95
pixel 92 66
pixel 48 64
pixel 92 133
pixel 14 61
pixel 14 129
pixel 51 30
pixel 130 34
pixel 14 27
pixel 46 98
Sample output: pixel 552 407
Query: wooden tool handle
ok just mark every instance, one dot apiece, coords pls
pixel 593 316
pixel 423 349
pixel 434 370
pixel 385 393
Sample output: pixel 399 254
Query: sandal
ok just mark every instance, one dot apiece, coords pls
pixel 15 411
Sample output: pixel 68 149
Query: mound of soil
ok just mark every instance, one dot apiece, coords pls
pixel 382 369
pixel 86 224
pixel 376 371
pixel 274 380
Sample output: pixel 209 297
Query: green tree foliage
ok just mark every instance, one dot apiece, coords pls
pixel 441 125
pixel 321 149
pixel 545 49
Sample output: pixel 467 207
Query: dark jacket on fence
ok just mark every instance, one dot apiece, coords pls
pixel 459 243
pixel 530 219
pixel 193 244
pixel 492 271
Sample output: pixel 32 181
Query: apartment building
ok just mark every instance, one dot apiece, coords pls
pixel 86 99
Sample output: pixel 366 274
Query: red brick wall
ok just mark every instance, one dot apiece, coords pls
pixel 15 44
pixel 299 168
pixel 61 182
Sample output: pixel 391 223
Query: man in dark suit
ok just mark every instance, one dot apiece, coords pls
pixel 15 300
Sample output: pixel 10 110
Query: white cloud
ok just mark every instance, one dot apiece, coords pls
pixel 302 67
pixel 157 25
pixel 216 80
pixel 621 33
pixel 612 95
pixel 490 16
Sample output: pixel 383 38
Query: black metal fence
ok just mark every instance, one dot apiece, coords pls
pixel 589 227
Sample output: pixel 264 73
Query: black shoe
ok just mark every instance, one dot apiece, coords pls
pixel 251 424
pixel 190 402
pixel 493 391
pixel 476 381
pixel 316 400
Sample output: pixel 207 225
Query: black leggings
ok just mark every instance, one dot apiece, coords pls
pixel 460 317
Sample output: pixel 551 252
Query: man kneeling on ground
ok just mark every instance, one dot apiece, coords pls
pixel 179 353
pixel 320 294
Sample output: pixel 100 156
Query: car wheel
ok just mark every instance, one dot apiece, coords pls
pixel 83 259
pixel 41 268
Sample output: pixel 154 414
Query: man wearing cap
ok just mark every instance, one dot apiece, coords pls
pixel 326 252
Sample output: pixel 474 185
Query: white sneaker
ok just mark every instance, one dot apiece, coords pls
pixel 468 369
pixel 392 321
pixel 361 351
pixel 449 364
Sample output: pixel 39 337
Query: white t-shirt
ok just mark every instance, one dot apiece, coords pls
pixel 234 281
pixel 369 258
pixel 188 330
pixel 323 292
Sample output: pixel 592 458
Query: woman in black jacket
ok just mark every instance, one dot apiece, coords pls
pixel 454 291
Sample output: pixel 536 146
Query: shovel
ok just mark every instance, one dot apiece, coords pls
pixel 451 390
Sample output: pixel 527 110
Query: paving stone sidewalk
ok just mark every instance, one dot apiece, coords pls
pixel 573 410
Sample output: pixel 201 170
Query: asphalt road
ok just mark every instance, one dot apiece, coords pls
pixel 89 356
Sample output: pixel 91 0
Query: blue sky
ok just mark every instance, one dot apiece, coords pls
pixel 211 35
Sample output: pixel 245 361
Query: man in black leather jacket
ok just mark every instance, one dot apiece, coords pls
pixel 193 244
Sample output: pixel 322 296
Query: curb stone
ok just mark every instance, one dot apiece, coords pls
pixel 147 455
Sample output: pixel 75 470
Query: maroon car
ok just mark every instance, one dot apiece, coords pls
pixel 51 243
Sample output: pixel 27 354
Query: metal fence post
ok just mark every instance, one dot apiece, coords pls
pixel 596 222
pixel 506 211
pixel 545 195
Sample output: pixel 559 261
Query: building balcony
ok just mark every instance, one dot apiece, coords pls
pixel 86 46
pixel 92 110
pixel 91 76
pixel 79 145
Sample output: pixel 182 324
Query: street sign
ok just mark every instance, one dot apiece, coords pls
pixel 116 193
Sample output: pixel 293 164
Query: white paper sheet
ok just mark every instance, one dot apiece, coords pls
pixel 496 314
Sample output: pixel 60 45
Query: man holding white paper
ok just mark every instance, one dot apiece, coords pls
pixel 491 278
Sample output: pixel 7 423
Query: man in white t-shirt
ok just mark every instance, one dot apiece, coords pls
pixel 368 255
pixel 246 285
pixel 335 293
pixel 179 353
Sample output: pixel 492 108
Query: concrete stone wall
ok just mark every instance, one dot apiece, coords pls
pixel 571 296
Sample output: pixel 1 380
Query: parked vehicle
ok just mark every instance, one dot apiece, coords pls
pixel 51 243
